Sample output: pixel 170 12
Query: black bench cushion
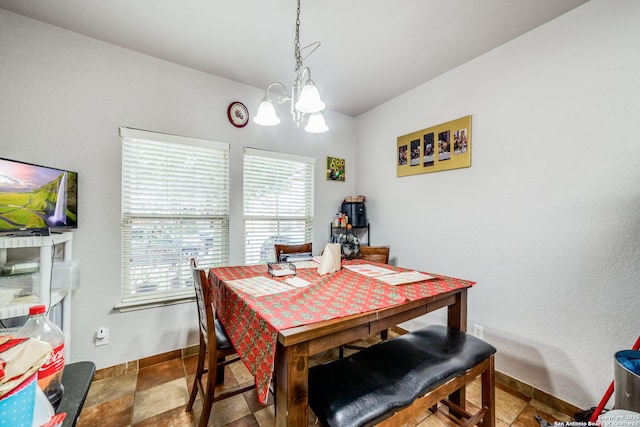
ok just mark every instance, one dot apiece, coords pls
pixel 365 386
pixel 222 339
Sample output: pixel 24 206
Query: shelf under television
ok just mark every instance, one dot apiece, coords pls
pixel 18 309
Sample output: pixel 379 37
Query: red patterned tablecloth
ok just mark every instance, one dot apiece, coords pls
pixel 252 323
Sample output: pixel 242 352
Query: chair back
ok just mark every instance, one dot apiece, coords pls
pixel 206 314
pixel 292 249
pixel 375 253
pixel 214 353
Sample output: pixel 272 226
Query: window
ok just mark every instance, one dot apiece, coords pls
pixel 175 206
pixel 278 202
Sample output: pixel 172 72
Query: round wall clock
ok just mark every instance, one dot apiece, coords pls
pixel 238 114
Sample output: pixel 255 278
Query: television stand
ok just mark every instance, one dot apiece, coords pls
pixel 47 296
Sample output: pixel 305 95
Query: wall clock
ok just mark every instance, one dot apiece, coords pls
pixel 238 114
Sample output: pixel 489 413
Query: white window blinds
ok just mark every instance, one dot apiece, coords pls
pixel 175 206
pixel 278 202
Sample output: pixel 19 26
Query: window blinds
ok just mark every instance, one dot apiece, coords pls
pixel 175 206
pixel 278 202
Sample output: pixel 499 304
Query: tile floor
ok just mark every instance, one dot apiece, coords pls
pixel 157 395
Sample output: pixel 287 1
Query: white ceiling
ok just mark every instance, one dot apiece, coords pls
pixel 371 52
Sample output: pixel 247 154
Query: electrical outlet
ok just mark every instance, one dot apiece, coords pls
pixel 102 336
pixel 478 331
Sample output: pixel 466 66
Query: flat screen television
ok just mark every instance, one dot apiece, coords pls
pixel 35 199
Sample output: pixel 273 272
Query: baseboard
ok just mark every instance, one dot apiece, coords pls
pixel 531 392
pixel 135 365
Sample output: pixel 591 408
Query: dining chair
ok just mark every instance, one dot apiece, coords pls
pixel 292 249
pixel 375 254
pixel 215 351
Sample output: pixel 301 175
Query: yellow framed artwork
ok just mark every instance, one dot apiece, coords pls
pixel 442 147
pixel 335 169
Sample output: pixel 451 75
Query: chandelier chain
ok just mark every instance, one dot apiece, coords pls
pixel 296 42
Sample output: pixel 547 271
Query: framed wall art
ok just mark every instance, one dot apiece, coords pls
pixel 437 148
pixel 335 169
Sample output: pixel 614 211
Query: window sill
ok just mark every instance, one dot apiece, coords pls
pixel 143 305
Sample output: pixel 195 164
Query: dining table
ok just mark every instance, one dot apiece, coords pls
pixel 276 323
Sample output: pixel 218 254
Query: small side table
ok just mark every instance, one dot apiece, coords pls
pixel 76 379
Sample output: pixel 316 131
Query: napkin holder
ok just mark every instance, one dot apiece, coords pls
pixel 279 269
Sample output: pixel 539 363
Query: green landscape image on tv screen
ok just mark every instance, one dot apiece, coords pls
pixel 36 197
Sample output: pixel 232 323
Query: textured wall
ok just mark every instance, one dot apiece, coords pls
pixel 546 219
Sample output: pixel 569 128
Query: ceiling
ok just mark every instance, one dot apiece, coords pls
pixel 371 52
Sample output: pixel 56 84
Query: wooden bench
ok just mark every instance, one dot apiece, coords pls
pixel 396 380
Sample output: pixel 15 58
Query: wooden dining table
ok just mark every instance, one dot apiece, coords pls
pixel 276 327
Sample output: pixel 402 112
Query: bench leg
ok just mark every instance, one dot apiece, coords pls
pixel 488 380
pixel 441 393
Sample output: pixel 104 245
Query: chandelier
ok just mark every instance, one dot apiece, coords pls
pixel 305 98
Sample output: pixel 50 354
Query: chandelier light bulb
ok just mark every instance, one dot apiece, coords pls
pixel 316 123
pixel 309 101
pixel 266 114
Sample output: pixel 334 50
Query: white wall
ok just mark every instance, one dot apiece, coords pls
pixel 63 98
pixel 547 219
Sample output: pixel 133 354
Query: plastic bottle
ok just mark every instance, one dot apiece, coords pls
pixel 38 326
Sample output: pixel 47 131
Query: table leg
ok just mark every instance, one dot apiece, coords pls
pixel 457 319
pixel 457 313
pixel 292 368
